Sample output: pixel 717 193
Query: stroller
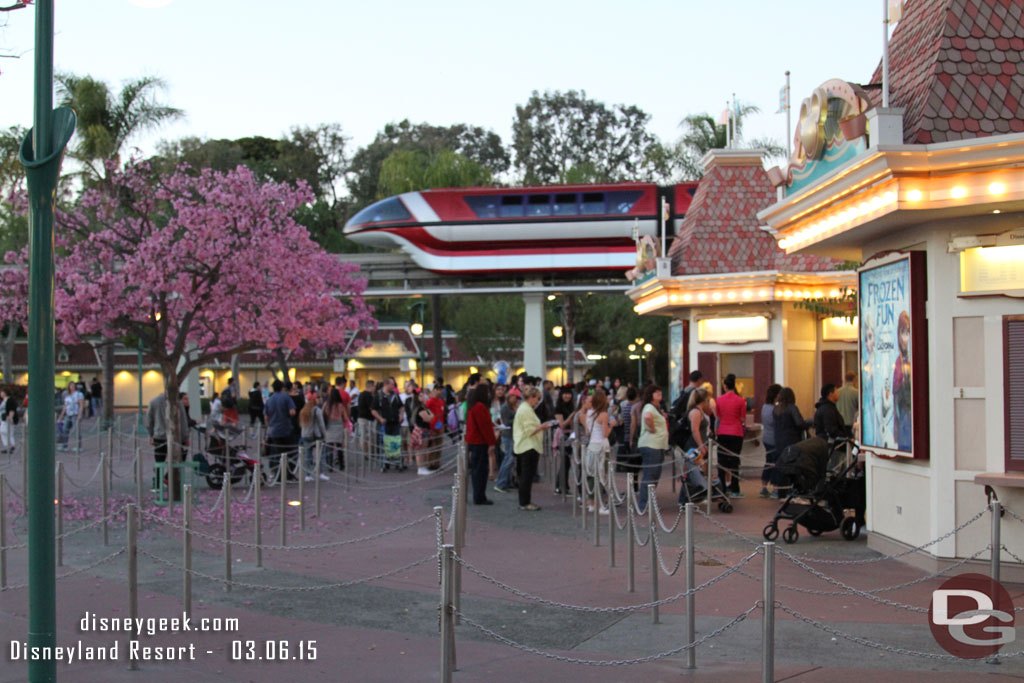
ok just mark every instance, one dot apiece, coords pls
pixel 226 458
pixel 694 486
pixel 824 487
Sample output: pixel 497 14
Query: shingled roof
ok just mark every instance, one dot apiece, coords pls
pixel 721 232
pixel 957 69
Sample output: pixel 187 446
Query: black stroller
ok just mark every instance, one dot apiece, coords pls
pixel 825 486
pixel 694 492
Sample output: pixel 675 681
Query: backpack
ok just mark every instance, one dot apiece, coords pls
pixel 453 418
pixel 679 430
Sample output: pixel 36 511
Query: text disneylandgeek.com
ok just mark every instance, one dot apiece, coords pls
pixel 137 650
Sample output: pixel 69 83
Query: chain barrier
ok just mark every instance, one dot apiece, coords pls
pixel 1013 514
pixel 609 662
pixel 632 520
pixel 90 525
pixel 73 572
pixel 293 589
pixel 607 610
pixel 661 521
pixel 99 468
pixel 10 488
pixel 661 560
pixel 879 646
pixel 872 560
pixel 1011 554
pixel 321 546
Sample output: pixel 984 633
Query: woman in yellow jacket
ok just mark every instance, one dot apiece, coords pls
pixel 527 443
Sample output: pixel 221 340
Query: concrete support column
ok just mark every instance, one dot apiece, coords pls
pixel 534 351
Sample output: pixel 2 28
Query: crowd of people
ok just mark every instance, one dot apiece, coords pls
pixel 503 425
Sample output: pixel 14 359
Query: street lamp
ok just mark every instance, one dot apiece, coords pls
pixel 417 329
pixel 635 354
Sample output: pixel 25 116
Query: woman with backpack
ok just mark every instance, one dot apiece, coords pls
pixel 597 426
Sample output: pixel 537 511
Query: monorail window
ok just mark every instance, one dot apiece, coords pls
pixel 566 205
pixel 390 209
pixel 511 206
pixel 593 203
pixel 622 201
pixel 484 206
pixel 538 205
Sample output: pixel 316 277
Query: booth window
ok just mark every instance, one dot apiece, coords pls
pixel 1013 391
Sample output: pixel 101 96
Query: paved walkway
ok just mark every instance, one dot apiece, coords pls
pixel 386 629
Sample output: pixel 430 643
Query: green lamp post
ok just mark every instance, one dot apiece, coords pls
pixel 41 153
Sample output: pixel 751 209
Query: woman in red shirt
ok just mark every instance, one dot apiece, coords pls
pixel 732 414
pixel 479 441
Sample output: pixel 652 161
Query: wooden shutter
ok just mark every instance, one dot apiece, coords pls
pixel 832 368
pixel 1013 391
pixel 707 363
pixel 764 376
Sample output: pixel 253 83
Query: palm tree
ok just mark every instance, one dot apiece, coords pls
pixel 105 124
pixel 702 134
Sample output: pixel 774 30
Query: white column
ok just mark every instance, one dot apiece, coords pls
pixel 534 352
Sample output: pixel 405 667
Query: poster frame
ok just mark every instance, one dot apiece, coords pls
pixel 917 296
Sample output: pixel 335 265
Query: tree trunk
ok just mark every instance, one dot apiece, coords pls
pixel 107 351
pixel 235 358
pixel 8 353
pixel 569 332
pixel 172 385
pixel 282 362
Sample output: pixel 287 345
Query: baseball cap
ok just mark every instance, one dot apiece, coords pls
pixel 514 391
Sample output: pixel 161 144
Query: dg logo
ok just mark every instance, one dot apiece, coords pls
pixel 971 616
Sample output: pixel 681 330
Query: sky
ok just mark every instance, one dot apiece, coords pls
pixel 253 67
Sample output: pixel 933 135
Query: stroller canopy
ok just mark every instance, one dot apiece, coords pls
pixel 804 463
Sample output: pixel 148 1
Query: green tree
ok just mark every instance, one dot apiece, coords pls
pixel 566 137
pixel 407 170
pixel 106 122
pixel 471 142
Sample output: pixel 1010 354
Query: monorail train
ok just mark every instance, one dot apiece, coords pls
pixel 493 230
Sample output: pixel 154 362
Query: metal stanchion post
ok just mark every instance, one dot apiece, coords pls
pixel 571 482
pixel 768 615
pixel 138 484
pixel 630 538
pixel 316 477
pixel 3 532
pixel 611 514
pixel 282 475
pixel 187 546
pixel 597 506
pixel 227 531
pixel 106 495
pixel 257 472
pixel 458 534
pixel 994 554
pixel 133 579
pixel 447 626
pixel 300 469
pixel 463 487
pixel 654 551
pixel 439 532
pixel 346 461
pixel 712 473
pixel 110 445
pixel 59 511
pixel 691 616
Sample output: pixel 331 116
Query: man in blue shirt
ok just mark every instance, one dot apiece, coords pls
pixel 279 410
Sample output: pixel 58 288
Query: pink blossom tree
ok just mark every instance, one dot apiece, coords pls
pixel 13 306
pixel 200 264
